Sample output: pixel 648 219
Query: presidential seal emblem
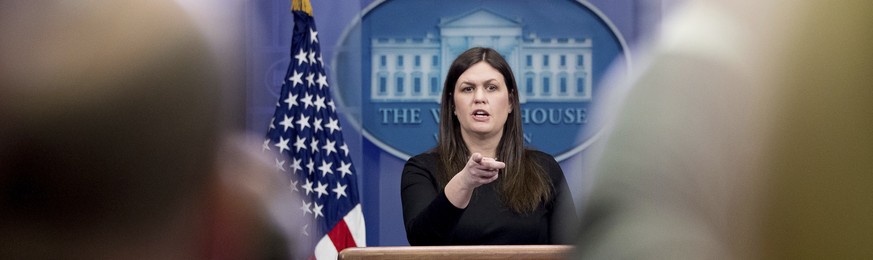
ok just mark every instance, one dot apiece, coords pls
pixel 391 64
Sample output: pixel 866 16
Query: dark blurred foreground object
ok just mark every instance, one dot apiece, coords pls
pixel 110 138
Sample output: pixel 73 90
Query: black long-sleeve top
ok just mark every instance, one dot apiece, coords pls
pixel 432 220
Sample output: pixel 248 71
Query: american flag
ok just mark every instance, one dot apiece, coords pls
pixel 306 135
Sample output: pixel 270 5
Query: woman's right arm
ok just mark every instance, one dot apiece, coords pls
pixel 428 215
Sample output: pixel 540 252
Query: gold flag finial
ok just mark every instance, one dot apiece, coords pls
pixel 301 5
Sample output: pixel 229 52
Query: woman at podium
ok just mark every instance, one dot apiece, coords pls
pixel 480 185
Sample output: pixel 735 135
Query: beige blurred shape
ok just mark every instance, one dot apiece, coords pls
pixel 818 202
pixel 746 135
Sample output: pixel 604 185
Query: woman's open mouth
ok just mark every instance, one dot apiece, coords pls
pixel 481 115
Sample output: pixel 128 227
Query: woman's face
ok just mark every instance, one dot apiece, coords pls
pixel 481 101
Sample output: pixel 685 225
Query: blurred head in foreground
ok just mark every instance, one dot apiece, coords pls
pixel 110 136
pixel 746 135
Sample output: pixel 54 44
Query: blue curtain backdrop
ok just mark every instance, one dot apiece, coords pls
pixel 268 34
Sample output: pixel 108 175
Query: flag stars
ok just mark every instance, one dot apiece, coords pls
pixel 340 190
pixel 291 100
pixel 280 165
pixel 301 57
pixel 313 36
pixel 345 149
pixel 322 80
pixel 310 79
pixel 312 59
pixel 283 144
pixel 345 168
pixel 325 168
pixel 293 186
pixel 321 189
pixel 333 125
pixel 313 146
pixel 296 78
pixel 319 103
pixel 310 166
pixel 287 123
pixel 307 187
pixel 317 210
pixel 331 105
pixel 303 122
pixel 307 101
pixel 266 146
pixel 329 147
pixel 300 144
pixel 295 165
pixel 317 125
pixel 306 208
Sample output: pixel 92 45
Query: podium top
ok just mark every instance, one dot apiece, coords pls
pixel 458 252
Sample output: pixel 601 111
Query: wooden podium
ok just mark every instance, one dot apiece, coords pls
pixel 457 252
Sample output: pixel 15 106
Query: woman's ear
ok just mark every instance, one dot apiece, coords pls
pixel 512 100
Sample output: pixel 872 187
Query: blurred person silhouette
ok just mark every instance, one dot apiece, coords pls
pixel 680 169
pixel 740 138
pixel 454 194
pixel 110 143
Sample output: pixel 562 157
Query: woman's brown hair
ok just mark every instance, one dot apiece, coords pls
pixel 523 183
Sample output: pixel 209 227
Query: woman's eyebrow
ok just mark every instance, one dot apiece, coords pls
pixel 467 82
